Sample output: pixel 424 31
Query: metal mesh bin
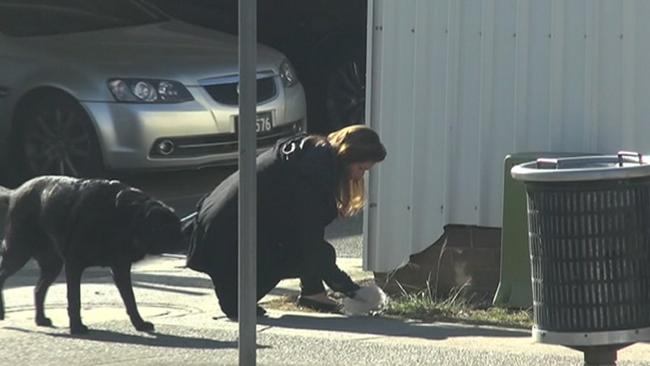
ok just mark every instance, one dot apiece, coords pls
pixel 589 238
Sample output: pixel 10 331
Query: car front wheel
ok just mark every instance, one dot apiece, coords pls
pixel 57 138
pixel 346 93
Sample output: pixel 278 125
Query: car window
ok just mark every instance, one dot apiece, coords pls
pixel 23 18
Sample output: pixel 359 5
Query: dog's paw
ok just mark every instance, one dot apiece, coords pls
pixel 144 326
pixel 78 329
pixel 44 321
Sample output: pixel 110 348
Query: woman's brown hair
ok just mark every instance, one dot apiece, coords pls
pixel 354 144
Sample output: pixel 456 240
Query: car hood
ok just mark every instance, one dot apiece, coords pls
pixel 169 50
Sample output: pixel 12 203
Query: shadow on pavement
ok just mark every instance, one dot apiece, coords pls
pixel 388 327
pixel 28 276
pixel 161 281
pixel 167 289
pixel 151 339
pixel 188 285
pixel 171 280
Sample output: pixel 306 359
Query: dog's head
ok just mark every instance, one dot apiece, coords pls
pixel 156 227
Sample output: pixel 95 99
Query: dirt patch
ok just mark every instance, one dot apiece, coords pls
pixel 288 303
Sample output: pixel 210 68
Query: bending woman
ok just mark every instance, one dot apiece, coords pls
pixel 303 184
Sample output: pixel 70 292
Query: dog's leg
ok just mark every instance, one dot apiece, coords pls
pixel 10 263
pixel 50 269
pixel 73 281
pixel 122 279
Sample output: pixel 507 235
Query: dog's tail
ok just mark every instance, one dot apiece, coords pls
pixel 5 194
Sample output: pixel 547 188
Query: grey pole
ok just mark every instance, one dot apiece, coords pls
pixel 247 182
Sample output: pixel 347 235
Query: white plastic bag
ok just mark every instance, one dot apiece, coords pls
pixel 366 299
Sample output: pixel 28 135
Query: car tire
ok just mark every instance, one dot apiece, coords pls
pixel 345 94
pixel 56 137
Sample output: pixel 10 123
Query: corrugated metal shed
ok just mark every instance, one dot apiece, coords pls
pixel 456 85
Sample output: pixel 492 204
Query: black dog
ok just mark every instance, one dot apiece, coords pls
pixel 82 223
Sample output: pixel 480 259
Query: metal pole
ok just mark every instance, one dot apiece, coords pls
pixel 601 355
pixel 604 355
pixel 247 182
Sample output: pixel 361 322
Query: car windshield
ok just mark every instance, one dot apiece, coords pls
pixel 24 18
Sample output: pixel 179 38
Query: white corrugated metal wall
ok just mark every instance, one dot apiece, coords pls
pixel 456 85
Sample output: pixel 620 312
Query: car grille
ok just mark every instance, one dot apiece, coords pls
pixel 227 93
pixel 223 143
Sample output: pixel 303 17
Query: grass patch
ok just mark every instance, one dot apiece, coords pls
pixel 424 308
pixel 455 309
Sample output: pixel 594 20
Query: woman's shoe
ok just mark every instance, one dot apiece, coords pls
pixel 319 305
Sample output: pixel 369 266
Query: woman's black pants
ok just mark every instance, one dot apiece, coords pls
pixel 271 269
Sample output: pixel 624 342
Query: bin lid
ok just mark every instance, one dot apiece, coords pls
pixel 624 165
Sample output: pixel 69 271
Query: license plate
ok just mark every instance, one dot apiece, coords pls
pixel 263 123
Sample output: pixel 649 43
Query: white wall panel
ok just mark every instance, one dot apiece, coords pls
pixel 456 85
pixel 573 80
pixel 393 25
pixel 498 113
pixel 429 128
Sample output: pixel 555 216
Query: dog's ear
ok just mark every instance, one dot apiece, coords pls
pixel 157 214
pixel 161 229
pixel 130 197
pixel 155 209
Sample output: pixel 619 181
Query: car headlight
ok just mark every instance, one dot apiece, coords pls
pixel 148 91
pixel 287 74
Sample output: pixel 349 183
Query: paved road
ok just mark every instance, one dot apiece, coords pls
pixel 180 189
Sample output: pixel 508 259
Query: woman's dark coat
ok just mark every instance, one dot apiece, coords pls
pixel 296 200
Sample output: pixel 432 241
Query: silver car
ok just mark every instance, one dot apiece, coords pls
pixel 90 85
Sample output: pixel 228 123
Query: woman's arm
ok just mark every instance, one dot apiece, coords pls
pixel 333 276
pixel 316 256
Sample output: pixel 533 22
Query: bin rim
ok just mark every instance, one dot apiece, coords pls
pixel 583 168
